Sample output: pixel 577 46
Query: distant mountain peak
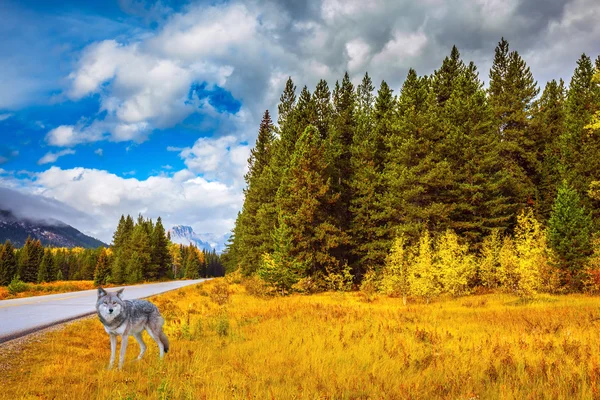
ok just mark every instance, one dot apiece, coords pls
pixel 184 234
pixel 51 232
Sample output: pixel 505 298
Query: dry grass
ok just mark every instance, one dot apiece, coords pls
pixel 41 289
pixel 328 346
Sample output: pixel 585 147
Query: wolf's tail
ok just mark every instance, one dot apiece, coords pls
pixel 165 341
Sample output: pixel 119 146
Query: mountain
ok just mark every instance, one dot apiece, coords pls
pixel 50 232
pixel 183 234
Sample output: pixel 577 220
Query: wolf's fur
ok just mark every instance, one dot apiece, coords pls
pixel 129 318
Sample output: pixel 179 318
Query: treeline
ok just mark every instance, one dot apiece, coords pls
pixel 141 251
pixel 347 172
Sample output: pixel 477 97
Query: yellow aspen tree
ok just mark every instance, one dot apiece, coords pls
pixel 395 279
pixel 489 260
pixel 532 253
pixel 424 279
pixel 454 263
pixel 508 265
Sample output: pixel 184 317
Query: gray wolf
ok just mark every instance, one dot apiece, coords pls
pixel 129 318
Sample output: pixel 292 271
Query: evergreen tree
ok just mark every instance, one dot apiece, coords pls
pixel 134 271
pixel 46 267
pixel 8 263
pixel 159 257
pixel 549 119
pixel 253 232
pixel 511 94
pixel 287 102
pixel 582 149
pixel 118 272
pixel 102 271
pixel 569 233
pixel 304 199
pixel 28 262
pixel 323 110
pixel 140 244
pixel 370 233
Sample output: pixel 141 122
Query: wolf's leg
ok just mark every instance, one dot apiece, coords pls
pixel 113 350
pixel 124 340
pixel 154 333
pixel 140 340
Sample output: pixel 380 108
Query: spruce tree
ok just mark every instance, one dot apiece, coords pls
pixel 305 198
pixel 570 232
pixel 102 271
pixel 253 230
pixel 323 111
pixel 140 244
pixel 46 267
pixel 159 257
pixel 8 263
pixel 28 262
pixel 511 94
pixel 370 233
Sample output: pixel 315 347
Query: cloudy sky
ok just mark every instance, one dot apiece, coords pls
pixel 111 107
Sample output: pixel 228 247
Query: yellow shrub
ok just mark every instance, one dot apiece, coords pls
pixel 424 281
pixel 454 263
pixel 395 277
pixel 489 260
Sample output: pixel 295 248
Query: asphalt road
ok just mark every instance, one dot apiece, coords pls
pixel 19 317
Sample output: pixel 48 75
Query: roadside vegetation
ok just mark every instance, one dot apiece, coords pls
pixel 227 344
pixel 18 288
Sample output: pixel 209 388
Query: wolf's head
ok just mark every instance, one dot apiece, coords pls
pixel 110 304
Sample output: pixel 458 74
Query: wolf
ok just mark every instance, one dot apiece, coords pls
pixel 129 318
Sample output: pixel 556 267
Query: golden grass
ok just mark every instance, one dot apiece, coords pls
pixel 328 346
pixel 41 289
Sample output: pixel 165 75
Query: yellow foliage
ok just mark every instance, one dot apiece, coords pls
pixel 326 346
pixel 395 276
pixel 489 260
pixel 454 263
pixel 424 280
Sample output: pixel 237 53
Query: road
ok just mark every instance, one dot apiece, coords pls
pixel 19 317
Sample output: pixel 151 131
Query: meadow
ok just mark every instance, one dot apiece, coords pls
pixel 41 289
pixel 228 344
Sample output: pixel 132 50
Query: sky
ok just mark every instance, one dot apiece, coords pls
pixel 141 106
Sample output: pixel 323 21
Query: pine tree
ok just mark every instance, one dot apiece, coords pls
pixel 287 102
pixel 253 229
pixel 118 272
pixel 582 145
pixel 8 263
pixel 134 271
pixel 323 110
pixel 159 257
pixel 140 244
pixel 46 267
pixel 102 271
pixel 511 92
pixel 304 199
pixel 549 119
pixel 28 261
pixel 370 232
pixel 569 234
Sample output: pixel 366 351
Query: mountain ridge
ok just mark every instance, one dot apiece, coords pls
pixel 51 232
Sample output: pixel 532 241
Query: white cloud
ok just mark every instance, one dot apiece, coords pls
pixel 222 158
pixel 100 152
pixel 5 116
pixel 51 157
pixel 183 198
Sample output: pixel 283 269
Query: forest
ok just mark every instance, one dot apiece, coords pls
pixel 448 186
pixel 141 251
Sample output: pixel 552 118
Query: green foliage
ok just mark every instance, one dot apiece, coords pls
pixel 102 271
pixel 16 285
pixel 569 233
pixel 8 263
pixel 424 280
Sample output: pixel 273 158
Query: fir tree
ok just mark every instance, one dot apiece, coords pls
pixel 46 267
pixel 8 263
pixel 322 108
pixel 102 271
pixel 159 257
pixel 28 262
pixel 304 199
pixel 569 233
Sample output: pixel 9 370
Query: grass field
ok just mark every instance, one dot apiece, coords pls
pixel 327 346
pixel 40 289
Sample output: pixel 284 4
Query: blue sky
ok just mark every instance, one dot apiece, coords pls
pixel 130 106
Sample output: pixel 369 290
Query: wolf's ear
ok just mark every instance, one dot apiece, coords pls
pixel 120 293
pixel 101 292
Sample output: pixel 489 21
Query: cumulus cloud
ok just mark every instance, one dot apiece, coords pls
pixel 183 198
pixel 51 157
